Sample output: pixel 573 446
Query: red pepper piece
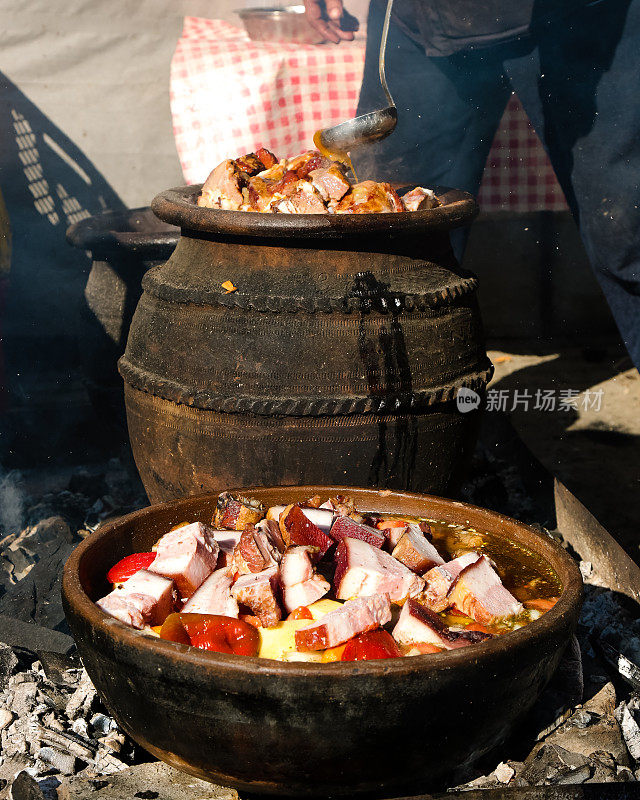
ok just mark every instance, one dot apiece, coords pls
pixel 212 632
pixel 302 612
pixel 371 645
pixel 129 565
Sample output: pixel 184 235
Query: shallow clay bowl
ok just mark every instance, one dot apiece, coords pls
pixel 392 725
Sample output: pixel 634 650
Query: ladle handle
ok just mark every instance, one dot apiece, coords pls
pixel 383 49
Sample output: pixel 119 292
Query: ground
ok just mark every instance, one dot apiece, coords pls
pixel 594 445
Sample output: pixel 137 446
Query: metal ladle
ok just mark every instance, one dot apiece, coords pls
pixel 365 128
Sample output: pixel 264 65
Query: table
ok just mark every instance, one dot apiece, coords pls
pixel 230 95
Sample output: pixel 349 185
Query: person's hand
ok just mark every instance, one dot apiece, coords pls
pixel 330 18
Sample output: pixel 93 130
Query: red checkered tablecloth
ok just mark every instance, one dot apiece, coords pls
pixel 231 95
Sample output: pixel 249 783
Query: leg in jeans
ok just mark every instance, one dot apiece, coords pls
pixel 581 89
pixel 448 111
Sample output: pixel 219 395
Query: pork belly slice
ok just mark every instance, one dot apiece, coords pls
pixel 214 596
pixel 300 585
pixel 479 594
pixel 236 512
pixel 152 596
pixel 304 593
pixel 120 608
pixel 440 581
pixel 321 517
pixel 187 555
pixel 356 616
pixel 419 199
pixel 330 182
pixel 415 551
pixel 297 564
pixel 222 189
pixel 363 570
pixel 253 553
pixel 418 624
pixel 227 541
pixel 258 591
pixel 297 528
pixel 345 527
pixel 393 535
pixel 271 530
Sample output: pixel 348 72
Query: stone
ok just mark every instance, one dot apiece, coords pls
pixel 31 637
pixel 137 782
pixel 504 772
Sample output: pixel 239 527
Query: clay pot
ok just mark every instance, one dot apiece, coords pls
pixel 337 357
pixel 392 726
pixel 123 246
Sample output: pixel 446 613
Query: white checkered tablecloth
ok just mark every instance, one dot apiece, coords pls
pixel 230 95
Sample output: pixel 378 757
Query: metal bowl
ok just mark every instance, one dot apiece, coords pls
pixel 307 729
pixel 279 24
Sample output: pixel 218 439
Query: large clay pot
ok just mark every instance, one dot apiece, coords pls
pixel 123 246
pixel 338 357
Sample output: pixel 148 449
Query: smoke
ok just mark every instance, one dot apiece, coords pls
pixel 11 501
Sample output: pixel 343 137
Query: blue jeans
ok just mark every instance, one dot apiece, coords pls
pixel 579 82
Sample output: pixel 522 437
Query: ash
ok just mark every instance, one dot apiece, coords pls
pixel 58 742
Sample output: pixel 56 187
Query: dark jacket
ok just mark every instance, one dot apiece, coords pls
pixel 445 27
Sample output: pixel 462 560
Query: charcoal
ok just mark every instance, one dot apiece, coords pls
pixel 83 482
pixel 553 764
pixel 37 597
pixel 34 638
pixel 65 763
pixel 602 734
pixel 25 787
pixel 8 662
pixel 82 699
pixel 630 731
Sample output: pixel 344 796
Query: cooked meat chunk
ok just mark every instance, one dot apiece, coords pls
pixel 214 596
pixel 369 197
pixel 418 625
pixel 120 608
pixel 299 582
pixel 415 551
pixel 336 627
pixel 222 189
pixel 419 199
pixel 479 594
pixel 258 591
pixel 272 531
pixel 306 200
pixel 321 517
pixel 235 513
pixel 227 541
pixel 345 527
pixel 253 553
pixel 187 555
pixel 363 570
pixel 330 182
pixel 151 595
pixel 441 579
pixel 297 528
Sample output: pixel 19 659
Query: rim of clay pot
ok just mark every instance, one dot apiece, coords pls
pixel 116 230
pixel 128 638
pixel 178 206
